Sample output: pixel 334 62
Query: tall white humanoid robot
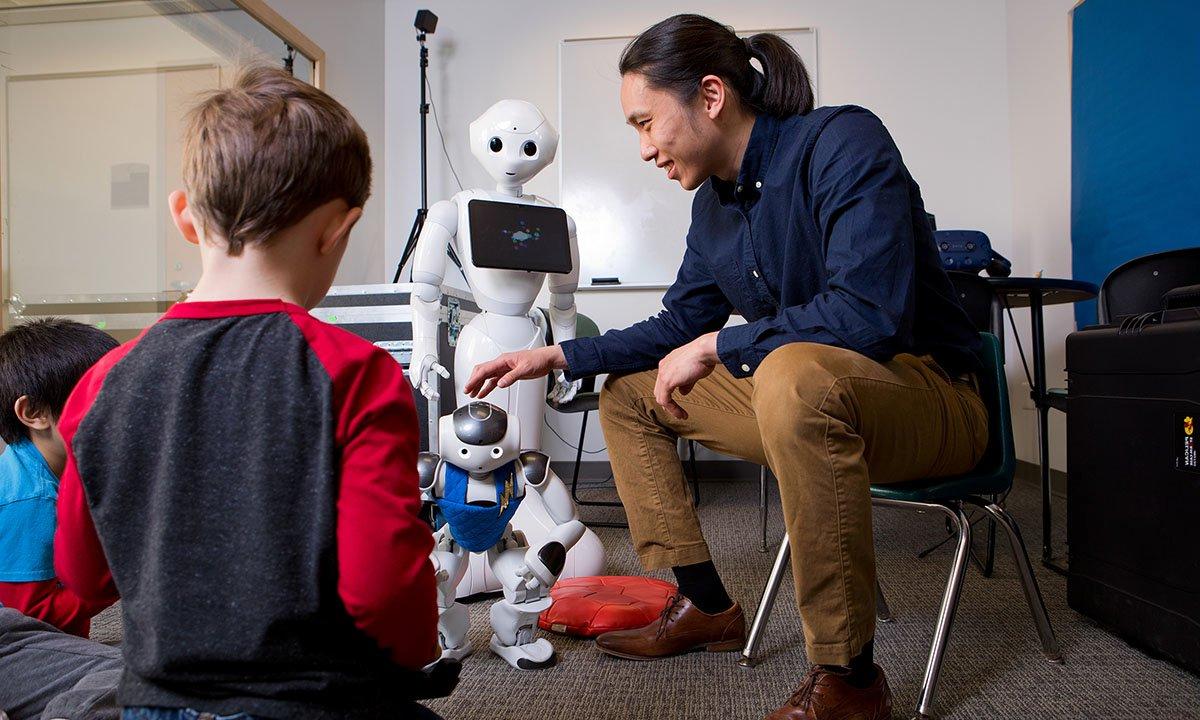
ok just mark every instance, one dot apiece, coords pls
pixel 479 478
pixel 513 141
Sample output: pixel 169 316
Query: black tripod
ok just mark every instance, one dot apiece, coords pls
pixel 425 22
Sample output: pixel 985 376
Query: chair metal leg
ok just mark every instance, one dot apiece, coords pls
pixel 958 571
pixel 763 613
pixel 883 613
pixel 1033 595
pixel 941 634
pixel 762 505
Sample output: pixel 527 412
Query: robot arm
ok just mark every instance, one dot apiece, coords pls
pixel 562 315
pixel 427 475
pixel 544 563
pixel 429 267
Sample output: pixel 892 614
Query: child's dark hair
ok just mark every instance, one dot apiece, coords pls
pixel 44 359
pixel 678 52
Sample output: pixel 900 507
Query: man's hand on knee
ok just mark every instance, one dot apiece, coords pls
pixel 682 369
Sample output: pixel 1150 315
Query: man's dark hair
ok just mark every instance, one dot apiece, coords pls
pixel 44 359
pixel 676 53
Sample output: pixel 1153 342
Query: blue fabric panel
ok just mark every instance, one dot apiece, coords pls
pixel 477 528
pixel 1135 134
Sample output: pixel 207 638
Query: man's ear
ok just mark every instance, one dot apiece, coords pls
pixel 337 232
pixel 713 94
pixel 34 420
pixel 181 213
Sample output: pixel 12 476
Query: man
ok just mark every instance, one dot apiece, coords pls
pixel 854 365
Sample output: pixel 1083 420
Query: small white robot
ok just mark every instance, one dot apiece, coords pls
pixel 503 238
pixel 478 481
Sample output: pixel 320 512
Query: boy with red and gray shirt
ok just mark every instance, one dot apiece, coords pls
pixel 242 475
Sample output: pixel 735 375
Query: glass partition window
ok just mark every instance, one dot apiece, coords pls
pixel 93 105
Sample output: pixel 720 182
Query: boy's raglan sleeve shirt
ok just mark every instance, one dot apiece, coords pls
pixel 385 578
pixel 79 559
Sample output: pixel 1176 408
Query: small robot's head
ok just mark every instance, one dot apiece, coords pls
pixel 478 436
pixel 513 141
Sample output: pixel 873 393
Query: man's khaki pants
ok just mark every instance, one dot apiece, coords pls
pixel 828 422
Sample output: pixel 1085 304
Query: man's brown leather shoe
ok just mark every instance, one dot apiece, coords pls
pixel 681 628
pixel 825 695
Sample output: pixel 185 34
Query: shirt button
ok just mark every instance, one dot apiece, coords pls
pixel 754 273
pixel 745 367
pixel 738 189
pixel 758 184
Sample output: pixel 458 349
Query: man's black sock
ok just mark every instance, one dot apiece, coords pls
pixel 861 671
pixel 701 584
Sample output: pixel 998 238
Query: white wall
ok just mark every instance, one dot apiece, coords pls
pixel 1040 122
pixel 352 35
pixel 934 70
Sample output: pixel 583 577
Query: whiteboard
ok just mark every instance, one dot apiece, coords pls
pixel 632 221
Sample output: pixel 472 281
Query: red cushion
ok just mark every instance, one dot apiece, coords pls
pixel 589 606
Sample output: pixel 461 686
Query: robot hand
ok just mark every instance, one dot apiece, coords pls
pixel 421 368
pixel 542 566
pixel 533 584
pixel 564 390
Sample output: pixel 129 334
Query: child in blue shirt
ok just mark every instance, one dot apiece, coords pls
pixel 40 362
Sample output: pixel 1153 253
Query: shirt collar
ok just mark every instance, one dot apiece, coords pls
pixel 755 164
pixel 28 454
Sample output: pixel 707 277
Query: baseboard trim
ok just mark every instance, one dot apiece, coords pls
pixel 1029 474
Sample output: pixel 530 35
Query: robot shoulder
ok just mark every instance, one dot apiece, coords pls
pixel 535 466
pixel 445 213
pixel 427 466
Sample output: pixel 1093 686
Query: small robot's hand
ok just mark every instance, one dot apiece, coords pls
pixel 533 583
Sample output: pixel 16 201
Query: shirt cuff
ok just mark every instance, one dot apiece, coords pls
pixel 735 348
pixel 583 358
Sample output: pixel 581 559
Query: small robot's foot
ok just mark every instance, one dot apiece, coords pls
pixel 457 653
pixel 535 655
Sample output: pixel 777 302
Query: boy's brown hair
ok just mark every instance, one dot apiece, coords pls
pixel 261 155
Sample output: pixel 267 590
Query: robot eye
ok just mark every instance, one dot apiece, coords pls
pixel 497 452
pixel 464 452
pixel 529 148
pixel 496 144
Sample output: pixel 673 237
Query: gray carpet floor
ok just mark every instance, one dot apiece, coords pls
pixel 993 669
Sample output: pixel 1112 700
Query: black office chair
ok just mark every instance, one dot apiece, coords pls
pixel 1138 286
pixel 585 401
pixel 979 301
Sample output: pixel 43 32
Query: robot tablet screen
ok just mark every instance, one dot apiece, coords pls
pixel 515 236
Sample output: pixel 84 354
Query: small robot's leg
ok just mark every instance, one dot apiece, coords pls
pixel 454 621
pixel 514 627
pixel 515 616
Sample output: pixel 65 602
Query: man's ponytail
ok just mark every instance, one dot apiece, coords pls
pixel 786 88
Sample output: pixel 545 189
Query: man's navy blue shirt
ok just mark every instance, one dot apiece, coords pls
pixel 822 238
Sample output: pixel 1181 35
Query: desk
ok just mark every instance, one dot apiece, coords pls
pixel 1035 293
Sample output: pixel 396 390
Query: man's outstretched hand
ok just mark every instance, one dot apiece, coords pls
pixel 511 367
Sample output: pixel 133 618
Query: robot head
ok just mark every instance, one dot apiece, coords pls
pixel 513 141
pixel 478 436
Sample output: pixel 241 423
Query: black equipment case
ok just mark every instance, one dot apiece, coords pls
pixel 1133 498
pixel 382 315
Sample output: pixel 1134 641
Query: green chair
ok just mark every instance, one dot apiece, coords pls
pixel 948 495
